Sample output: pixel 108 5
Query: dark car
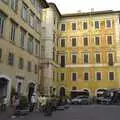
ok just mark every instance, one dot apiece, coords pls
pixel 111 96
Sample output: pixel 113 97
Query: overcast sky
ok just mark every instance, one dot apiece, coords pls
pixel 71 6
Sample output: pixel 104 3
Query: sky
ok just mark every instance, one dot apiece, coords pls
pixel 73 6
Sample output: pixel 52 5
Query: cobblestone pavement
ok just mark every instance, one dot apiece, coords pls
pixel 92 112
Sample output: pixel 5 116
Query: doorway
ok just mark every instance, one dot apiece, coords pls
pixel 3 87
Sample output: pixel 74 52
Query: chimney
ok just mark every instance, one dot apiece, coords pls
pixel 92 9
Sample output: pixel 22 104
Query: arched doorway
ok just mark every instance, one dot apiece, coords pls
pixel 31 88
pixel 62 91
pixel 3 87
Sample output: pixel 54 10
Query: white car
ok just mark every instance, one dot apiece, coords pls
pixel 81 100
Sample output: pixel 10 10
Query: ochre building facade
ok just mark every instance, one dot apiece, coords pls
pixel 87 51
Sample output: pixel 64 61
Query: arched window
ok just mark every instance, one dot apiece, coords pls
pixel 62 91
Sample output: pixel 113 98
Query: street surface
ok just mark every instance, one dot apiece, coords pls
pixel 90 112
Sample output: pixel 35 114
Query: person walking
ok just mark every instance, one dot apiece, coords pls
pixel 43 103
pixel 39 103
pixel 4 103
pixel 33 102
pixel 15 104
pixel 48 107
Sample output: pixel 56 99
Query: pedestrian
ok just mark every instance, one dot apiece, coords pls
pixel 4 103
pixel 43 103
pixel 15 104
pixel 39 103
pixel 33 102
pixel 48 108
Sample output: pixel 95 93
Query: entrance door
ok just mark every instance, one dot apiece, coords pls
pixel 31 90
pixel 3 87
pixel 62 91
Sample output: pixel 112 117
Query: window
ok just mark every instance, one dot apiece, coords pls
pixel 119 19
pixel 14 4
pixel 85 41
pixel 54 54
pixel 53 75
pixel 85 58
pixel 57 58
pixel 24 12
pixel 74 59
pixel 57 76
pixel 62 27
pixel 73 26
pixel 62 42
pixel 31 19
pixel 84 25
pixel 2 20
pixel 54 37
pixel 29 68
pixel 110 58
pixel 97 24
pixel 108 24
pixel 62 76
pixel 18 87
pixel 63 61
pixel 37 47
pixel 74 77
pixel 30 44
pixel 13 30
pixel 21 63
pixel 97 40
pixel 98 75
pixel 39 7
pixel 36 68
pixel 22 38
pixel 97 58
pixel 111 75
pixel 38 24
pixel 109 40
pixel 0 53
pixel 86 76
pixel 10 58
pixel 54 20
pixel 73 42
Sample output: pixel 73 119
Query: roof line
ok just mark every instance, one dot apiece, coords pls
pixel 89 13
pixel 50 3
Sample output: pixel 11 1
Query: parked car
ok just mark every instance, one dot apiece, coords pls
pixel 83 100
pixel 102 100
pixel 111 96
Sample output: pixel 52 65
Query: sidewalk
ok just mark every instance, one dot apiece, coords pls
pixel 6 115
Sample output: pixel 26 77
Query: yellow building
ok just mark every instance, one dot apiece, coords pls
pixel 20 41
pixel 87 50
